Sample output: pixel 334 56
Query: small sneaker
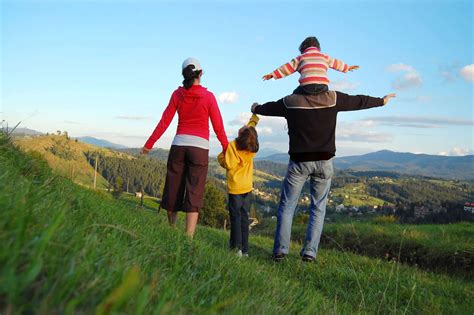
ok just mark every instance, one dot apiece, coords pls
pixel 239 253
pixel 308 258
pixel 246 255
pixel 278 257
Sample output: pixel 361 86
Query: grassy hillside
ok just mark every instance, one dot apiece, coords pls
pixel 65 249
pixel 66 157
pixel 354 195
pixel 447 248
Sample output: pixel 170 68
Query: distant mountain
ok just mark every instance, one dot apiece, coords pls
pixel 452 167
pixel 277 158
pixel 101 143
pixel 265 152
pixel 26 132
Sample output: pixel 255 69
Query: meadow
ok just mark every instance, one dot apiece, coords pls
pixel 442 248
pixel 67 249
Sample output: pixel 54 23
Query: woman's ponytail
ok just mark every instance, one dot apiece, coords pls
pixel 189 75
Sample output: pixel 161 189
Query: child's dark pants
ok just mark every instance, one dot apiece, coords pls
pixel 239 206
pixel 311 89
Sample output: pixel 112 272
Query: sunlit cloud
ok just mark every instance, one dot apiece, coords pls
pixel 344 85
pixel 400 67
pixel 357 132
pixel 274 126
pixel 467 72
pixel 410 77
pixel 449 72
pixel 457 151
pixel 228 97
pixel 419 121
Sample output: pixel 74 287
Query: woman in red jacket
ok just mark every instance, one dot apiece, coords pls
pixel 189 154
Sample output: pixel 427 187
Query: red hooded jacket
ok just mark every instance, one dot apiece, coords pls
pixel 194 106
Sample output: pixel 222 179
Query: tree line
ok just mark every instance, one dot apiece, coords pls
pixel 131 175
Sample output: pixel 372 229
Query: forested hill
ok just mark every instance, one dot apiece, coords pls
pixel 159 154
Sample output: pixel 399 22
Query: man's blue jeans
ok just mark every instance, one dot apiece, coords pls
pixel 320 174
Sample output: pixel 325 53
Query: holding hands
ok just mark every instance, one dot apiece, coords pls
pixel 252 108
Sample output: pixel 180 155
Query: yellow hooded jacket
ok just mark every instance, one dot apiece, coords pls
pixel 239 165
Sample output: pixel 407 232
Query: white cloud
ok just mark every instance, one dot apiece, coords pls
pixel 410 78
pixel 266 131
pixel 447 75
pixel 449 72
pixel 240 120
pixel 467 72
pixel 344 86
pixel 356 132
pixel 228 97
pixel 267 126
pixel 457 151
pixel 419 121
pixel 400 67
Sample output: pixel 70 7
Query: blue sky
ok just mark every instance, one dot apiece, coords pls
pixel 107 68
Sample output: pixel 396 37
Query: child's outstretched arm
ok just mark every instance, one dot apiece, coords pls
pixel 338 65
pixel 253 120
pixel 283 71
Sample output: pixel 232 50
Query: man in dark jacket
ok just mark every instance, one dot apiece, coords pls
pixel 311 127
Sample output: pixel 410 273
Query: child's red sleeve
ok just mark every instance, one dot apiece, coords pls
pixel 287 68
pixel 337 64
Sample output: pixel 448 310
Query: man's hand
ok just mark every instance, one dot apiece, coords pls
pixel 252 109
pixel 144 151
pixel 388 97
pixel 352 68
pixel 267 77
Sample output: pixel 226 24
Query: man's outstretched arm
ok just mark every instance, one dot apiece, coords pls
pixel 347 102
pixel 277 108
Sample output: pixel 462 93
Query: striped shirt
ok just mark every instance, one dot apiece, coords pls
pixel 312 66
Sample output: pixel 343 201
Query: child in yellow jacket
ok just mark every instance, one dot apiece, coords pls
pixel 238 161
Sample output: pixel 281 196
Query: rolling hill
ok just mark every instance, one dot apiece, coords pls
pixel 450 167
pixel 67 156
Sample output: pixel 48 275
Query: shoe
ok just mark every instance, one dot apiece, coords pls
pixel 239 253
pixel 308 258
pixel 278 257
pixel 246 255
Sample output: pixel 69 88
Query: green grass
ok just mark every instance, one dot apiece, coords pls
pixel 357 196
pixel 149 203
pixel 75 167
pixel 446 248
pixel 65 249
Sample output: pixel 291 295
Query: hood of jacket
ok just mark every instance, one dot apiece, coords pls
pixel 193 92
